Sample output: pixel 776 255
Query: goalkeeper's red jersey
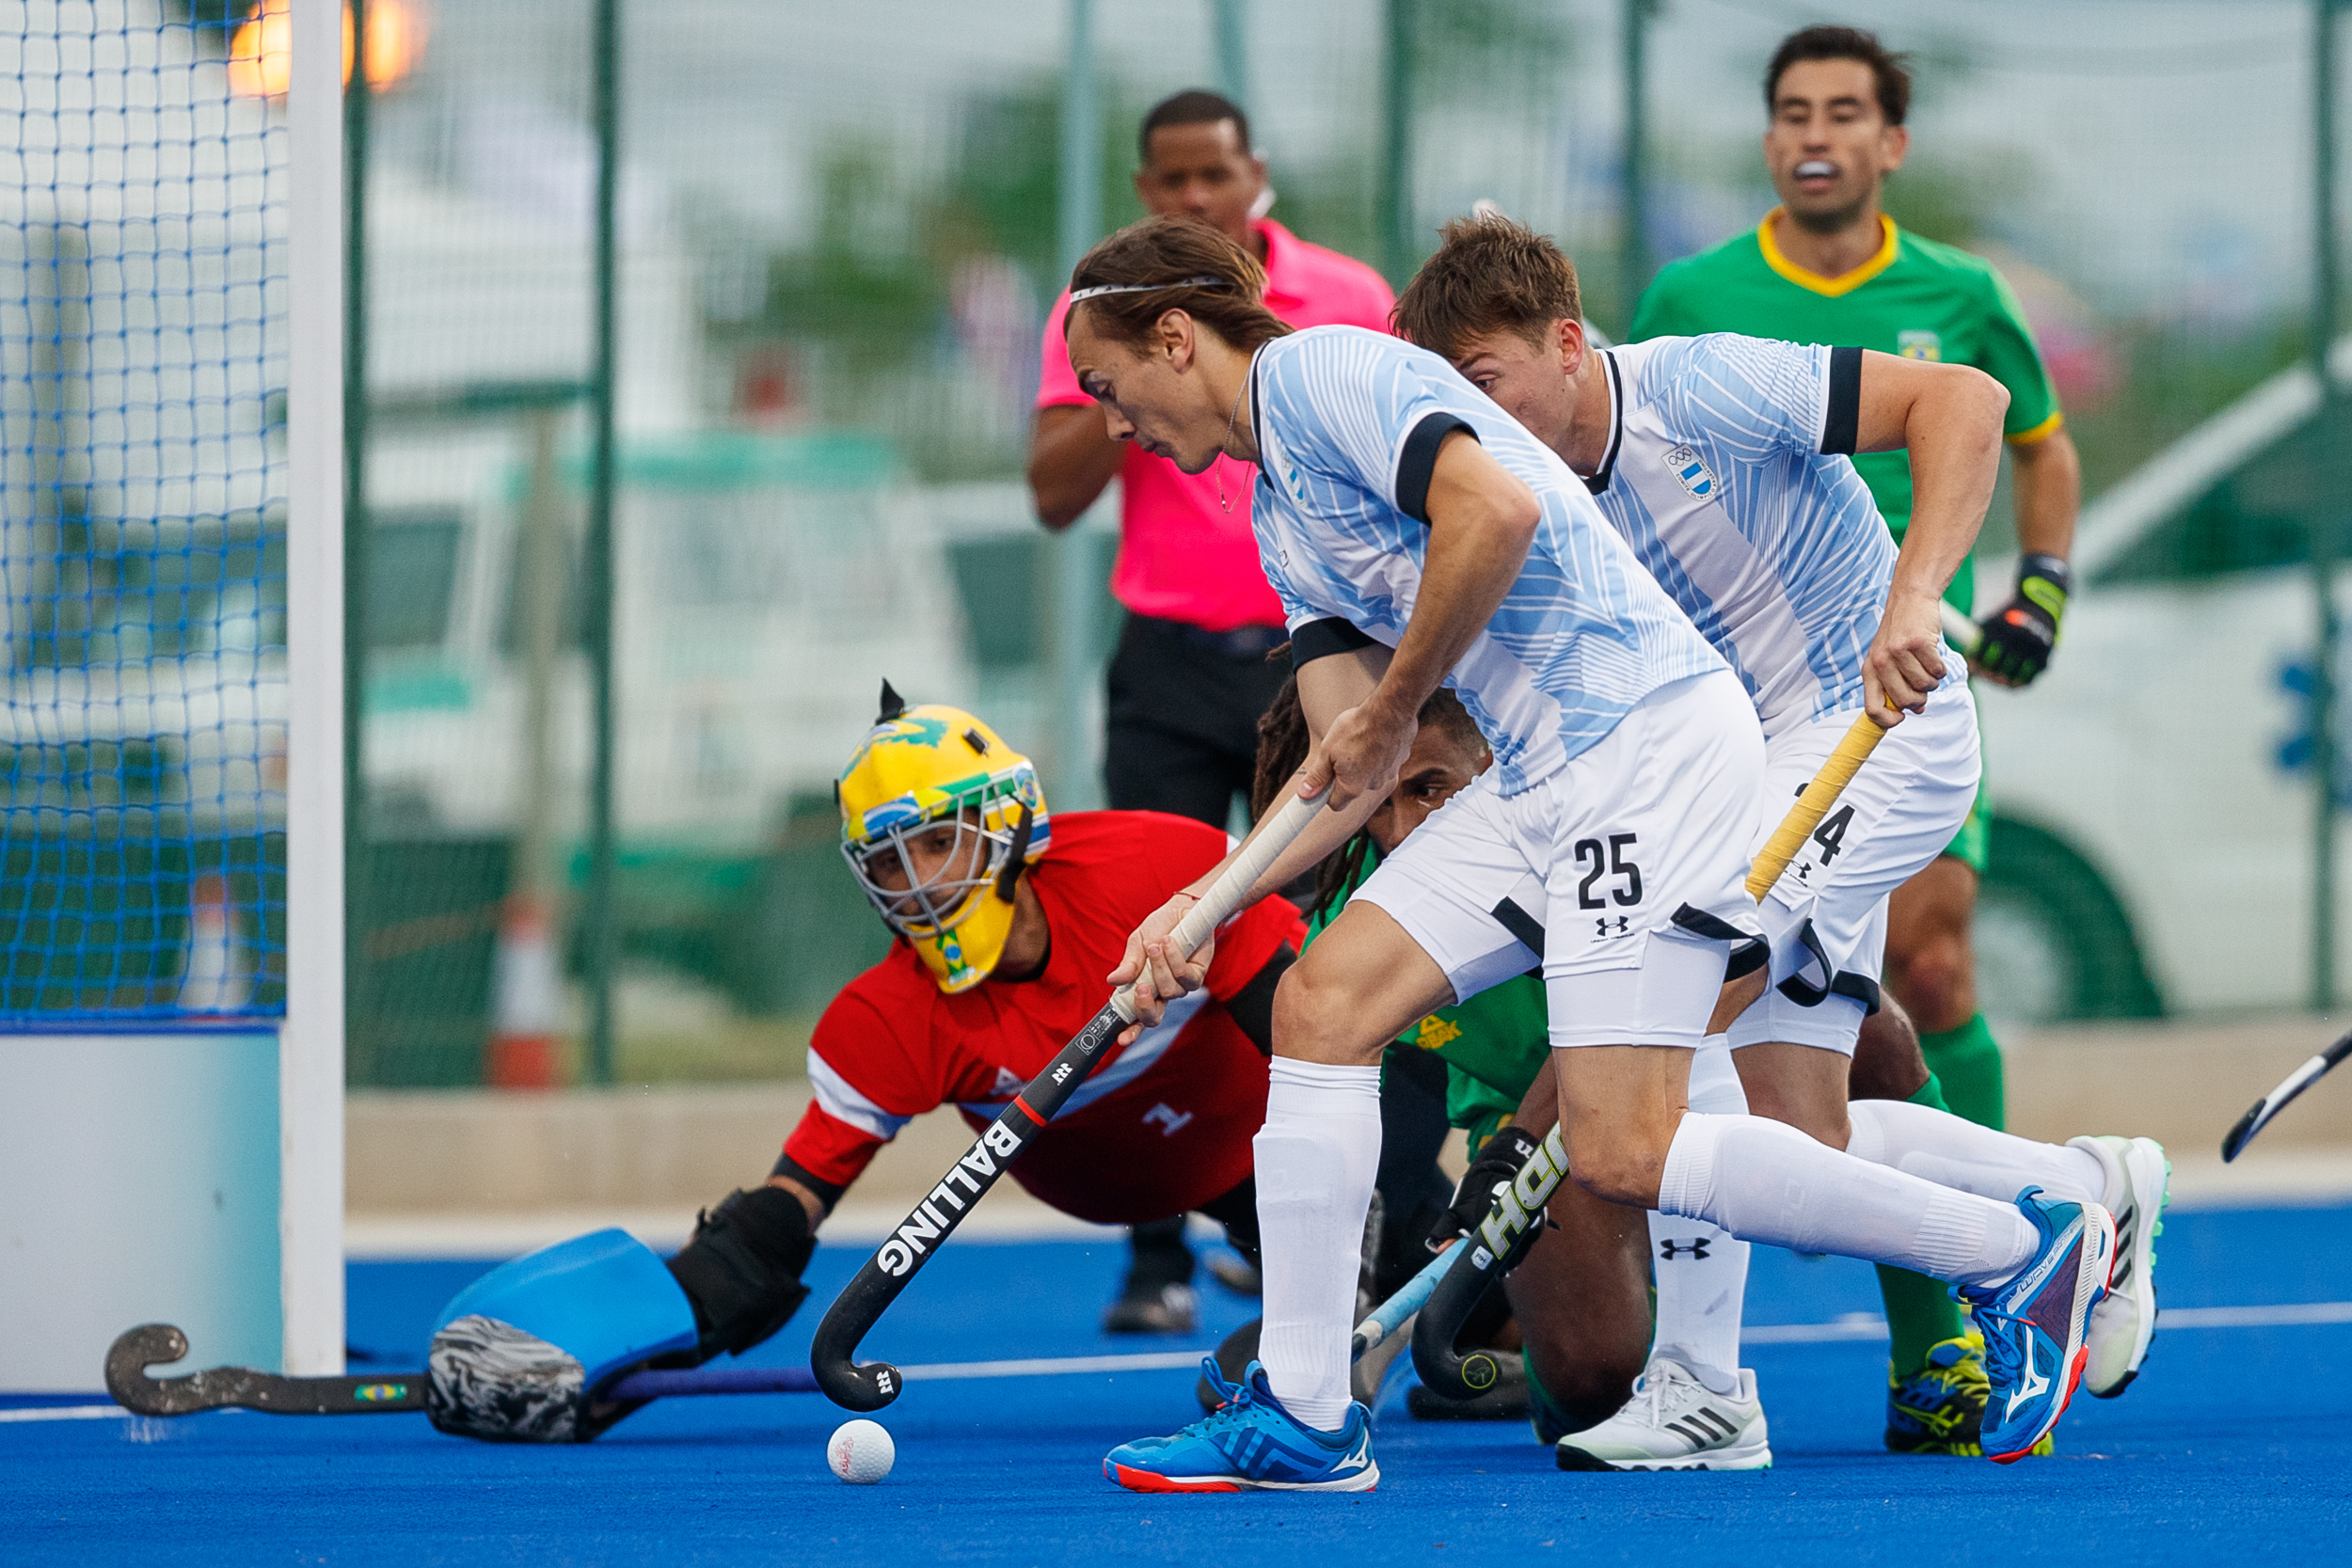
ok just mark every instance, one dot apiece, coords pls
pixel 1162 1125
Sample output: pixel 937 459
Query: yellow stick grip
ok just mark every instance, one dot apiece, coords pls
pixel 1814 804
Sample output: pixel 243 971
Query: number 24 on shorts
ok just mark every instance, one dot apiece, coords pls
pixel 1609 858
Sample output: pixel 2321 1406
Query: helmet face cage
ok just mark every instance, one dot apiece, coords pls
pixel 918 908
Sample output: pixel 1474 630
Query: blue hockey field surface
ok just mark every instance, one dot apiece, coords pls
pixel 2236 1441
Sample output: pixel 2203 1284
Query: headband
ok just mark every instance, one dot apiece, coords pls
pixel 1205 281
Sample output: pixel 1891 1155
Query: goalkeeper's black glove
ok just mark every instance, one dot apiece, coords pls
pixel 1498 1161
pixel 742 1271
pixel 2018 637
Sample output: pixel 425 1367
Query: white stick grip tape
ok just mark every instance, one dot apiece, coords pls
pixel 1233 884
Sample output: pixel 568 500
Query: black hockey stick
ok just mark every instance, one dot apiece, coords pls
pixel 1493 1250
pixel 378 1394
pixel 2276 1100
pixel 855 1310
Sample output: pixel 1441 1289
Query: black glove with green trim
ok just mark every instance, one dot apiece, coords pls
pixel 1498 1161
pixel 2018 637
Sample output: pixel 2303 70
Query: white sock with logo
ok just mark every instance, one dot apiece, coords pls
pixel 1316 1158
pixel 1765 1182
pixel 1701 1269
pixel 1953 1151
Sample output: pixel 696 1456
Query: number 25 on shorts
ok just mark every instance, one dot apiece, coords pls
pixel 1611 857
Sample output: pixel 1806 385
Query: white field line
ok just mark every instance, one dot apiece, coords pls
pixel 1156 1361
pixel 2285 1315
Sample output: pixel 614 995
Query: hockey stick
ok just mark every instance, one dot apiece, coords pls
pixel 855 1310
pixel 1964 634
pixel 1410 1297
pixel 2276 1100
pixel 378 1394
pixel 1518 1216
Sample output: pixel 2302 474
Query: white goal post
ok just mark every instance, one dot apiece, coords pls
pixel 310 1042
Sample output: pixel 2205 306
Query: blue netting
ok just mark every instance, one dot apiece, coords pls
pixel 142 519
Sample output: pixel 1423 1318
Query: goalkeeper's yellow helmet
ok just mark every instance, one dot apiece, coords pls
pixel 939 816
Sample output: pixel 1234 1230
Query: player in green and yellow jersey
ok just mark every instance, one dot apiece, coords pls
pixel 1828 266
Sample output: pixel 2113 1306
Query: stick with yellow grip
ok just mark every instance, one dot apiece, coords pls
pixel 1822 793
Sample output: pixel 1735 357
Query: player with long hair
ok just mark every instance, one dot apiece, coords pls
pixel 1420 537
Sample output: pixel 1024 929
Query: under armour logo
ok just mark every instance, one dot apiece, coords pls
pixel 1669 1250
pixel 1171 1123
pixel 1600 926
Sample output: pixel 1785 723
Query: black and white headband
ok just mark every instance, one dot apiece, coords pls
pixel 1205 281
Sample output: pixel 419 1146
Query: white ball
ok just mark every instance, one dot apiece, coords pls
pixel 861 1452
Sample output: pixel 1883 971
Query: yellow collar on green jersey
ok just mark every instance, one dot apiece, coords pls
pixel 1830 287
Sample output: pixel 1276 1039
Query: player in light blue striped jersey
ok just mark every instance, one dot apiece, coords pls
pixel 1419 538
pixel 1726 461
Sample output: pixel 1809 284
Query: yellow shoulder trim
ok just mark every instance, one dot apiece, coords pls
pixel 2041 432
pixel 1830 287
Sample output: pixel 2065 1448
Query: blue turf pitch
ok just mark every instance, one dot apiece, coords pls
pixel 2234 1443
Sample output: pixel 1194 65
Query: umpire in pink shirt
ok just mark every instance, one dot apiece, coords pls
pixel 1190 677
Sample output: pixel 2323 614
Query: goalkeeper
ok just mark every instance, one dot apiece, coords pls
pixel 1828 266
pixel 1006 921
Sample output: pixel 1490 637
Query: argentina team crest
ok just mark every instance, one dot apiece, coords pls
pixel 1691 470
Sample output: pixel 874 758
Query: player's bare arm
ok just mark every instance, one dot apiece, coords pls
pixel 2047 486
pixel 1482 519
pixel 1949 417
pixel 1072 458
pixel 1326 687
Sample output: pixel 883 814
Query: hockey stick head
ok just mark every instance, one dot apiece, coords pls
pixel 840 1377
pixel 127 1360
pixel 219 1387
pixel 1500 1242
pixel 2266 1109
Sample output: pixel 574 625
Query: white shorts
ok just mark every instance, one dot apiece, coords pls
pixel 1627 867
pixel 1826 917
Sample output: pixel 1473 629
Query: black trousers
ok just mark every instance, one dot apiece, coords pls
pixel 1182 725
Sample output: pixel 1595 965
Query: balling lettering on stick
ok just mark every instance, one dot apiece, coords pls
pixel 855 1310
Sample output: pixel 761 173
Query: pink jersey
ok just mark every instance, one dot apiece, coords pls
pixel 1183 556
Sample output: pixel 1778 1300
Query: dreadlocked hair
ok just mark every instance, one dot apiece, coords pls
pixel 1282 746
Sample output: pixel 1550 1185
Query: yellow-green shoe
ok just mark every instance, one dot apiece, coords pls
pixel 1939 1409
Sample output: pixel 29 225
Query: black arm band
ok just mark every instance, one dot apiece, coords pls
pixel 827 1193
pixel 1251 1007
pixel 1842 425
pixel 1419 460
pixel 1322 638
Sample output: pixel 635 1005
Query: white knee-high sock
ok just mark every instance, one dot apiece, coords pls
pixel 1701 1269
pixel 1765 1182
pixel 1953 1151
pixel 1316 1158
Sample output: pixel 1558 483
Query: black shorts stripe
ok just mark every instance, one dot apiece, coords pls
pixel 1521 925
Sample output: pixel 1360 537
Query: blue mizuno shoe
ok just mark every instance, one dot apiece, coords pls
pixel 2036 1325
pixel 1248 1443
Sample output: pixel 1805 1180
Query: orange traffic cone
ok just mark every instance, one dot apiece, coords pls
pixel 527 1001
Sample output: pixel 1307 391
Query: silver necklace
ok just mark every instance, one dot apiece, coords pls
pixel 1225 447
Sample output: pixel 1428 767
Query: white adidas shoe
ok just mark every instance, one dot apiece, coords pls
pixel 2124 1323
pixel 1675 1422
